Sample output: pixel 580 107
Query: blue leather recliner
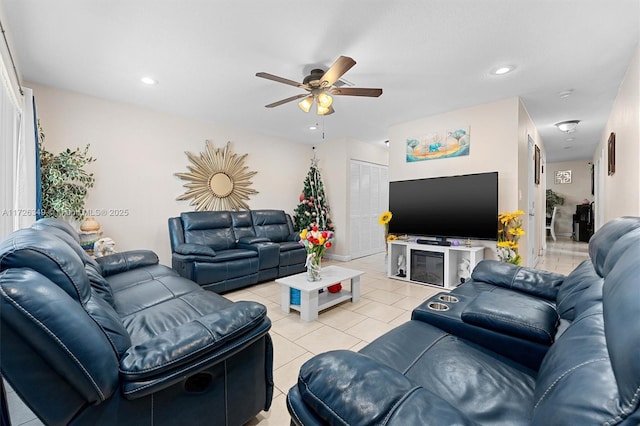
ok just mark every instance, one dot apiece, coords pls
pixel 122 340
pixel 473 363
pixel 227 250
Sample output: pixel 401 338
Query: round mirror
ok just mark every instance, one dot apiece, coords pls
pixel 221 184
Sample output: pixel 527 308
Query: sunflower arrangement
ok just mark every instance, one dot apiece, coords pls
pixel 509 232
pixel 384 220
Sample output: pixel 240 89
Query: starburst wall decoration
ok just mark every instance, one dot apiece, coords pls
pixel 219 180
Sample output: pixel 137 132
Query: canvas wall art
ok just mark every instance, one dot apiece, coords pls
pixel 437 145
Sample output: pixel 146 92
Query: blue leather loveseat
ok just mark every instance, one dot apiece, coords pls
pixel 226 250
pixel 470 364
pixel 122 340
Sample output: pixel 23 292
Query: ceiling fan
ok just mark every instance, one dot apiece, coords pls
pixel 320 86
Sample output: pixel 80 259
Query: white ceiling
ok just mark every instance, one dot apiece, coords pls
pixel 429 56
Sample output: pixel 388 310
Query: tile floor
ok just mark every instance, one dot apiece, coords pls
pixel 384 304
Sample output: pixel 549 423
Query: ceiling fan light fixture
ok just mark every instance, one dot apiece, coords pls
pixel 322 110
pixel 568 126
pixel 306 103
pixel 325 100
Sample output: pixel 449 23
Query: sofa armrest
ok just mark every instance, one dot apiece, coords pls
pixel 527 280
pixel 121 262
pixel 344 387
pixel 189 341
pixel 194 249
pixel 516 314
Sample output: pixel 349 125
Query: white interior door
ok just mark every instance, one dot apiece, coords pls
pixel 532 259
pixel 369 197
pixel 598 189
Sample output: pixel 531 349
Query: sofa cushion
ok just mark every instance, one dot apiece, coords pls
pixel 58 326
pixel 383 395
pixel 602 241
pixel 621 297
pixel 271 224
pixel 48 255
pixel 213 229
pixel 480 383
pixel 576 376
pixel 47 223
pixel 579 280
pixel 242 224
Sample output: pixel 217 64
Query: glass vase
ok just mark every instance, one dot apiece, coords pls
pixel 314 264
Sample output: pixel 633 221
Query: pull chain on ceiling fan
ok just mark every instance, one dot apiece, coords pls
pixel 320 85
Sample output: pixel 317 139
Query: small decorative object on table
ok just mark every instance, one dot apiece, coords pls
pixel 294 295
pixel 336 288
pixel 509 232
pixel 316 242
pixel 103 247
pixel 402 266
pixel 89 234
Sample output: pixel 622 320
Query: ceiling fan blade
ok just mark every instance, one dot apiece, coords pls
pixel 281 80
pixel 284 101
pixel 356 91
pixel 339 67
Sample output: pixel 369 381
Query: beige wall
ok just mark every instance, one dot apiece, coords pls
pixel 622 190
pixel 573 193
pixel 498 133
pixel 138 151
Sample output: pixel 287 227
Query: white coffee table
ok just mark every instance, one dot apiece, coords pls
pixel 310 301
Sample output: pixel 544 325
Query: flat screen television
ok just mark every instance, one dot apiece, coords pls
pixel 463 206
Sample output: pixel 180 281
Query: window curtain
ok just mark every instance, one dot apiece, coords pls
pixel 17 153
pixel 26 167
pixel 11 103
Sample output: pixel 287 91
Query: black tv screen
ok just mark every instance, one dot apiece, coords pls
pixel 463 206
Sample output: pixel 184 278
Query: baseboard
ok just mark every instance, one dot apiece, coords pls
pixel 337 257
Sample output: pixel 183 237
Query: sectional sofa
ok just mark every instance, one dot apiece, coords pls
pixel 122 340
pixel 512 346
pixel 226 250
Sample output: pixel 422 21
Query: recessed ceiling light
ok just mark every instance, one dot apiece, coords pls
pixel 148 80
pixel 313 127
pixel 565 93
pixel 502 70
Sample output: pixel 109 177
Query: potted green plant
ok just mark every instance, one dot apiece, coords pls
pixel 553 199
pixel 64 180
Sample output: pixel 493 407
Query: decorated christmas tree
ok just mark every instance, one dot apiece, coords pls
pixel 313 209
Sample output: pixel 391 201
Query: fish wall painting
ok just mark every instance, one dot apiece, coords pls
pixel 438 145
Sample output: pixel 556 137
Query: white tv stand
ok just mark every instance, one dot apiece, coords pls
pixel 451 258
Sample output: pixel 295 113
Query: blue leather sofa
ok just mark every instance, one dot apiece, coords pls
pixel 434 370
pixel 122 340
pixel 226 250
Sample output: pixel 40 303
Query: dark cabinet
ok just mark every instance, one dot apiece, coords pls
pixel 583 222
